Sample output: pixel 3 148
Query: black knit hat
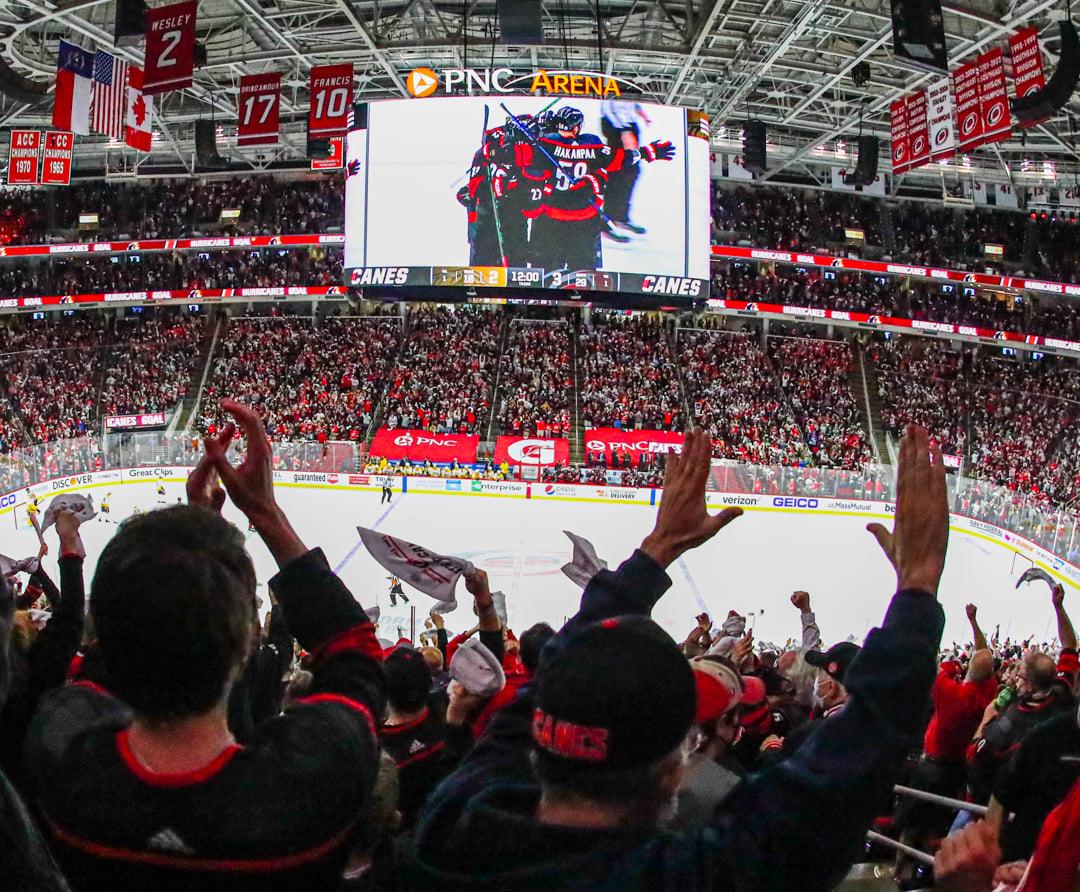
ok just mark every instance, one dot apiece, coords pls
pixel 618 694
pixel 836 660
pixel 408 678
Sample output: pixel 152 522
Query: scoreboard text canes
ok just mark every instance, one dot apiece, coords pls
pixel 24 162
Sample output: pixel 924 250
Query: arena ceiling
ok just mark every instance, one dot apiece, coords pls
pixel 787 62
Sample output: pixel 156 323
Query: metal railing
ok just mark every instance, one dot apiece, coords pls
pixel 933 798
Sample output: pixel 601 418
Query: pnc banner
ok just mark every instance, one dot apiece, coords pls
pixel 536 451
pixel 611 439
pixel 425 446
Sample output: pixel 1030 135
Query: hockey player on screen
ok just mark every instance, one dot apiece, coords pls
pixel 619 124
pixel 566 233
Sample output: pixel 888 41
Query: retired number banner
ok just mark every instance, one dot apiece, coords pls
pixel 330 88
pixel 259 108
pixel 170 47
pixel 418 446
pixel 536 451
pixel 24 162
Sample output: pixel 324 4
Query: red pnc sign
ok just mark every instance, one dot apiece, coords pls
pixel 170 47
pixel 611 439
pixel 425 446
pixel 337 156
pixel 331 91
pixel 535 451
pixel 24 162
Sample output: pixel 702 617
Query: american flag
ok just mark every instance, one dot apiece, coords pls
pixel 110 95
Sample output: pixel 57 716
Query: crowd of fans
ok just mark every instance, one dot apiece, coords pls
pixel 945 236
pixel 536 380
pixel 469 760
pixel 815 377
pixel 173 208
pixel 734 395
pixel 629 379
pixel 311 380
pixel 444 378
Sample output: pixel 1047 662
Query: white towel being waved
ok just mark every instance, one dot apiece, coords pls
pixel 584 564
pixel 436 575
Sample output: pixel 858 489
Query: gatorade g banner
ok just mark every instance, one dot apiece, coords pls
pixel 536 451
pixel 420 446
pixel 331 89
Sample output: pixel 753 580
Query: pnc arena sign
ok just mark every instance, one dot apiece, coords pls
pixel 423 82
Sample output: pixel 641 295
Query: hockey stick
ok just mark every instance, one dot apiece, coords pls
pixel 593 203
pixel 491 189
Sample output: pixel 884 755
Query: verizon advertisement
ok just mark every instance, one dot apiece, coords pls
pixel 538 452
pixel 425 446
pixel 134 422
pixel 611 439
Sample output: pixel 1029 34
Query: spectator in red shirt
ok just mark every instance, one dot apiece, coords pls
pixel 959 702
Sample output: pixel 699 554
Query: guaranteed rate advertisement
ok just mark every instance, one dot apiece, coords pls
pixel 527 191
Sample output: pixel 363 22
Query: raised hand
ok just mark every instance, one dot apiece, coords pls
pixel 683 523
pixel 67 528
pixel 967 860
pixel 972 612
pixel 917 544
pixel 1057 595
pixel 801 600
pixel 204 485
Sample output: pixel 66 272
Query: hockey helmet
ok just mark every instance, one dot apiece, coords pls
pixel 568 118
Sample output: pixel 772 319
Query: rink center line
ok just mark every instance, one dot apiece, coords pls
pixel 360 542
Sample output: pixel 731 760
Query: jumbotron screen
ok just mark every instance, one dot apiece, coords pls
pixel 522 191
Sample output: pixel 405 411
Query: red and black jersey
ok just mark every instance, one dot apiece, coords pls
pixel 578 185
pixel 276 813
pixel 418 748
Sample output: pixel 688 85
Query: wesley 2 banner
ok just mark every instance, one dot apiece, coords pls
pixel 170 47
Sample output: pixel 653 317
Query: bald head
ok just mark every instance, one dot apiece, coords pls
pixel 981 666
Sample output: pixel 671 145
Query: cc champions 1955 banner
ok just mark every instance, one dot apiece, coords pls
pixel 513 191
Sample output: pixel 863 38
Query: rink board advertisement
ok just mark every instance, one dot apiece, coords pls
pixel 553 192
pixel 808 506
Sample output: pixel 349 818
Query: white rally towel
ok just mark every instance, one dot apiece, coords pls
pixel 436 575
pixel 475 668
pixel 81 506
pixel 499 600
pixel 9 567
pixel 584 564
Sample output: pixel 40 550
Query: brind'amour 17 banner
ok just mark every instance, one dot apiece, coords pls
pixel 653 442
pixel 258 109
pixel 898 129
pixel 418 446
pixel 170 47
pixel 535 451
pixel 993 97
pixel 330 88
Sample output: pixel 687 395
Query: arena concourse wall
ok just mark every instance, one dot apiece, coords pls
pixel 805 506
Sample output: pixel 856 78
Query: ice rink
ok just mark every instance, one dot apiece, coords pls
pixel 752 566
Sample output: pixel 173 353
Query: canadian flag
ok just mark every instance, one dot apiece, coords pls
pixel 140 108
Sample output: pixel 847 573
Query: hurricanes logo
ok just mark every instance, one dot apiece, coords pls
pixel 275 240
pixel 421 82
pixel 996 112
pixel 333 289
pixel 918 145
pixel 898 153
pixel 942 135
pixel 194 294
pixel 837 262
pixel 968 124
pixel 873 320
pixel 67 299
pixel 133 246
pixel 751 307
pixel 970 279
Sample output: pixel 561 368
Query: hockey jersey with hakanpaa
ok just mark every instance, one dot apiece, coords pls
pixel 577 185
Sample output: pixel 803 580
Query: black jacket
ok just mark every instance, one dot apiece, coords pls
pixel 797 826
pixel 274 814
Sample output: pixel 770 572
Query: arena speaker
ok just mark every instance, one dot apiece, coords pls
pixel 519 22
pixel 130 22
pixel 21 89
pixel 753 147
pixel 919 34
pixel 206 153
pixel 1059 89
pixel 866 167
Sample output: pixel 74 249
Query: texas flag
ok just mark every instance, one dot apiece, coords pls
pixel 140 107
pixel 71 104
